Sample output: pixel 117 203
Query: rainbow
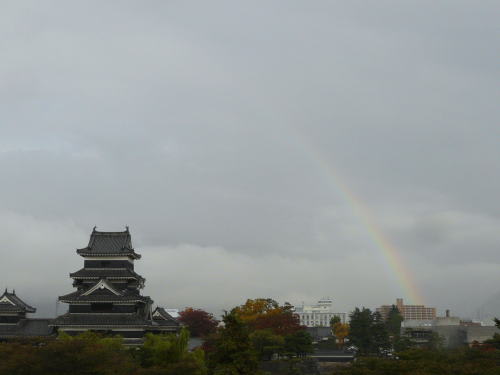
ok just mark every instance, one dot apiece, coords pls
pixel 363 214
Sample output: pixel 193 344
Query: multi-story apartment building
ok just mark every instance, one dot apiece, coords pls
pixel 409 312
pixel 318 315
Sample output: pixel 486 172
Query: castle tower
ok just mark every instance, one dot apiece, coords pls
pixel 107 297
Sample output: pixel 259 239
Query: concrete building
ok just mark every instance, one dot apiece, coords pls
pixel 318 315
pixel 453 331
pixel 447 320
pixel 409 312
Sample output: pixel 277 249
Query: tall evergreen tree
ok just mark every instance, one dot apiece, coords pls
pixel 393 322
pixel 360 329
pixel 368 332
pixel 380 334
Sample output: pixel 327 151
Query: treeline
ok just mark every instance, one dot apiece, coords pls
pixel 250 333
pixel 92 354
pixel 259 330
pixel 463 361
pixel 373 336
pixel 383 351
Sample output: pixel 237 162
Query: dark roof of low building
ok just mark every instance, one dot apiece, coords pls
pixel 124 273
pixel 163 317
pixel 10 302
pixel 27 328
pixel 109 244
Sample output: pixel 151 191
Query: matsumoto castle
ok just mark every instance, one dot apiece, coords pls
pixel 106 298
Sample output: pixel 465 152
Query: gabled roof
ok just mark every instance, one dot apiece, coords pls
pixel 104 295
pixel 109 244
pixel 163 317
pixel 9 302
pixel 160 313
pixel 101 285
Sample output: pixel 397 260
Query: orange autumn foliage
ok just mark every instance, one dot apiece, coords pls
pixel 266 313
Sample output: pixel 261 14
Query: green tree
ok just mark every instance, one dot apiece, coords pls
pixel 393 322
pixel 298 344
pixel 368 332
pixel 381 341
pixel 402 343
pixel 266 343
pixel 494 342
pixel 360 334
pixel 231 351
pixel 84 354
pixel 170 352
pixel 463 361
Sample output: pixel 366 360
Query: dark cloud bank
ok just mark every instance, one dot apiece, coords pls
pixel 206 127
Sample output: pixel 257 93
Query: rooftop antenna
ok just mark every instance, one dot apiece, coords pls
pixel 13 291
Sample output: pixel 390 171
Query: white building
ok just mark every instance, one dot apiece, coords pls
pixel 318 315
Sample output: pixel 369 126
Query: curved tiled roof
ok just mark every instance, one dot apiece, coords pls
pixel 126 297
pixel 15 303
pixel 109 244
pixel 164 317
pixel 124 273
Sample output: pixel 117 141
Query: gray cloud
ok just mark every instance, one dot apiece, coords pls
pixel 212 130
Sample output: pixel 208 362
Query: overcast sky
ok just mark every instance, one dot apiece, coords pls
pixel 213 129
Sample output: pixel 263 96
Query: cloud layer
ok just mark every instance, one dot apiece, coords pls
pixel 220 133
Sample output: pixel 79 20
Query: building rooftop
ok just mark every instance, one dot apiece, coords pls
pixel 161 313
pixel 9 302
pixel 162 317
pixel 26 328
pixel 125 273
pixel 109 244
pixel 104 296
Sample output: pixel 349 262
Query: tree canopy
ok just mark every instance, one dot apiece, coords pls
pixel 393 322
pixel 199 322
pixel 368 331
pixel 266 313
pixel 231 349
pixel 463 361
